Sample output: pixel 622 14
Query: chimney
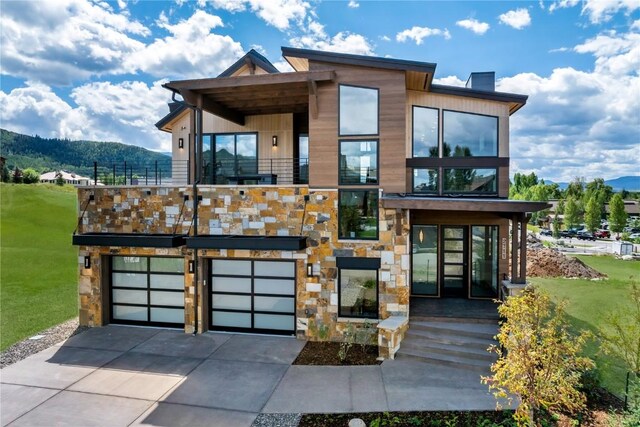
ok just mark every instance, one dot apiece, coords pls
pixel 482 81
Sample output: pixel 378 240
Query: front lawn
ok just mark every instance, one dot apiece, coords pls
pixel 38 264
pixel 590 301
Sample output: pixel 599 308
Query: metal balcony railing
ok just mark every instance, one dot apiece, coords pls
pixel 127 173
pixel 256 171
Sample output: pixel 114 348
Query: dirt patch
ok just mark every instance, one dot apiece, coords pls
pixel 326 353
pixel 545 262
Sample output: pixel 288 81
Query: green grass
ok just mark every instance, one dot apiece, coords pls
pixel 38 264
pixel 589 303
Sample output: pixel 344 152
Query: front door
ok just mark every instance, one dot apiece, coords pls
pixel 454 261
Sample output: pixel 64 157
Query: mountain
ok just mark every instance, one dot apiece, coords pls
pixel 629 183
pixel 48 154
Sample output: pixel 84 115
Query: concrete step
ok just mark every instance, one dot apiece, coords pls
pixel 465 351
pixel 476 330
pixel 444 360
pixel 486 320
pixel 478 343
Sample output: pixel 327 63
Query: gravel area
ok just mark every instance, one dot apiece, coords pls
pixel 40 341
pixel 277 420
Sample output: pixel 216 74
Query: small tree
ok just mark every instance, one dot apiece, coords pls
pixel 538 358
pixel 17 176
pixel 571 213
pixel 30 176
pixel 617 214
pixel 592 214
pixel 59 179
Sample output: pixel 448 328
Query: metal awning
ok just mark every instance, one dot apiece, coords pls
pixel 502 206
pixel 129 239
pixel 282 243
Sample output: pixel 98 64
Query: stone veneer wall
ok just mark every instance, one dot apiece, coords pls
pixel 248 210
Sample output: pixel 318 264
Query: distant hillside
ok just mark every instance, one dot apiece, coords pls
pixel 48 154
pixel 629 183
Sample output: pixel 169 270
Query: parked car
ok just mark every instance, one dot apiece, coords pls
pixel 634 236
pixel 568 233
pixel 546 232
pixel 586 235
pixel 602 234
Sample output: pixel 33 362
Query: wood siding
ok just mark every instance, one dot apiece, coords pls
pixel 323 131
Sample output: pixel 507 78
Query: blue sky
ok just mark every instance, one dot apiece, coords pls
pixel 84 69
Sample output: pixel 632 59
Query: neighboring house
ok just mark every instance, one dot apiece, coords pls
pixel 312 199
pixel 68 177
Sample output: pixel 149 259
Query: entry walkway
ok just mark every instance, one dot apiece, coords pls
pixel 120 376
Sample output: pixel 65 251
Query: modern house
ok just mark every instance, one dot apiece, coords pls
pixel 339 193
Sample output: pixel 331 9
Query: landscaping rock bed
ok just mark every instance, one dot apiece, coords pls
pixel 39 342
pixel 326 353
pixel 544 262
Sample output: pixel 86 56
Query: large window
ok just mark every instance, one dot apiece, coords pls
pixel 358 111
pixel 466 135
pixel 358 291
pixel 358 162
pixel 228 156
pixel 425 180
pixel 425 132
pixel 358 214
pixel 461 180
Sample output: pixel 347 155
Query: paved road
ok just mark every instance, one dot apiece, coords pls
pixel 121 376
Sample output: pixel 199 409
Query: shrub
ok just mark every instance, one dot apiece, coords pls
pixel 30 176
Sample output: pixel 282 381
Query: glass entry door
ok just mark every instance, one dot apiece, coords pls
pixel 228 156
pixel 454 262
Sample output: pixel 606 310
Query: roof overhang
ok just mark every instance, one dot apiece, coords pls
pixel 273 243
pixel 166 123
pixel 514 100
pixel 129 239
pixel 234 98
pixel 500 206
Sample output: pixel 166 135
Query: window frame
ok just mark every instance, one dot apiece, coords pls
pixel 377 210
pixel 363 135
pixel 446 192
pixel 340 179
pixel 413 121
pixel 363 264
pixel 441 139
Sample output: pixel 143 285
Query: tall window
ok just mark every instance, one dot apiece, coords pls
pixel 358 162
pixel 358 214
pixel 466 135
pixel 425 132
pixel 229 155
pixel 358 287
pixel 358 111
pixel 484 261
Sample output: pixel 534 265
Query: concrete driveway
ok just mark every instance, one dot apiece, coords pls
pixel 120 376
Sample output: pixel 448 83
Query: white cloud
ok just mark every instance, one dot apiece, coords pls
pixel 385 38
pixel 315 37
pixel 124 112
pixel 474 25
pixel 278 13
pixel 353 4
pixel 562 4
pixel 517 19
pixel 450 81
pixel 191 50
pixel 599 10
pixel 580 123
pixel 58 42
pixel 419 33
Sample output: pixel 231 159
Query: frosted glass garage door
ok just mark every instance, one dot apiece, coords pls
pixel 253 296
pixel 147 291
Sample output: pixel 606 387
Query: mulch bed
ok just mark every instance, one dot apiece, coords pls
pixel 413 419
pixel 326 353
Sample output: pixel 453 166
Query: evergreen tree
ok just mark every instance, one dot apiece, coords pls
pixel 17 176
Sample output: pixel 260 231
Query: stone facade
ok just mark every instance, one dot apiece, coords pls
pixel 249 210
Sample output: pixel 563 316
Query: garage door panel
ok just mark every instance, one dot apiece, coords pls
pixel 231 319
pixel 275 286
pixel 124 312
pixel 129 280
pixel 282 305
pixel 231 284
pixel 274 268
pixel 167 315
pixel 167 265
pixel 166 281
pixel 231 302
pixel 128 296
pixel 273 321
pixel 231 267
pixel 167 298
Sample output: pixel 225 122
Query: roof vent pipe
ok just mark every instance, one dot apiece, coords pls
pixel 485 81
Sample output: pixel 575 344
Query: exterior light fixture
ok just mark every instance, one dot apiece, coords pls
pixel 274 140
pixel 309 270
pixel 181 143
pixel 191 267
pixel 421 235
pixel 87 261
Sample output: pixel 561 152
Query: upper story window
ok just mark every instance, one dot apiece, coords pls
pixel 358 111
pixel 425 132
pixel 358 162
pixel 466 135
pixel 358 214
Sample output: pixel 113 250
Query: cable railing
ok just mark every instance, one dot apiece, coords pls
pixel 129 173
pixel 243 171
